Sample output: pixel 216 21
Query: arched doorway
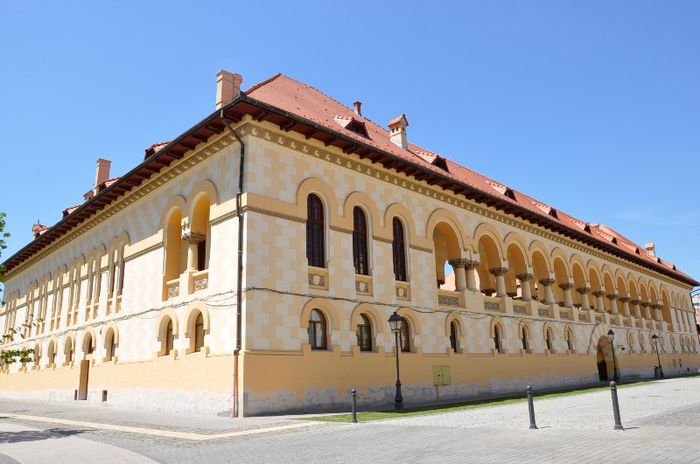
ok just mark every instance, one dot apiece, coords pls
pixel 604 359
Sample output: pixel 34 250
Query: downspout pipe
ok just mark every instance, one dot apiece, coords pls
pixel 239 276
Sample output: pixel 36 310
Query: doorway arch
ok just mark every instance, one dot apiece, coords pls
pixel 604 359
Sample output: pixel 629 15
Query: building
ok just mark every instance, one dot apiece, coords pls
pixel 250 266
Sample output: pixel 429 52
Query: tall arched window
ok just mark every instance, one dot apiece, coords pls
pixel 398 247
pixel 199 333
pixel 201 231
pixel 315 248
pixel 87 344
pixel 364 333
pixel 570 341
pixel 454 336
pixel 51 353
pixel 497 339
pixel 173 246
pixel 69 351
pixel 168 338
pixel 317 330
pixel 526 339
pixel 405 335
pixel 359 241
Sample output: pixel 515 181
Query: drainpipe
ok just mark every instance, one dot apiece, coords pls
pixel 239 277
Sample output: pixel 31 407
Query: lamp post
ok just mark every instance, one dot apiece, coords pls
pixel 396 323
pixel 611 335
pixel 655 340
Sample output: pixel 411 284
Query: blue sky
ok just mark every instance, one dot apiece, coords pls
pixel 593 107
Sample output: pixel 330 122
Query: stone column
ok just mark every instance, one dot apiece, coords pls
pixel 499 273
pixel 525 285
pixel 460 275
pixel 657 312
pixel 645 310
pixel 566 288
pixel 192 239
pixel 636 309
pixel 471 266
pixel 599 302
pixel 548 293
pixel 613 303
pixel 625 305
pixel 585 304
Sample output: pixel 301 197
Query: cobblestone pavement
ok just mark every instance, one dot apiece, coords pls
pixel 662 421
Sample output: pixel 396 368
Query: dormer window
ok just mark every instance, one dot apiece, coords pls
pixel 352 125
pixel 440 162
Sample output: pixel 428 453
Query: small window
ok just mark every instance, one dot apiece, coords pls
pixel 315 230
pixel 398 247
pixel 405 336
pixel 199 333
pixel 168 338
pixel 359 242
pixel 69 351
pixel 526 339
pixel 317 330
pixel 364 333
pixel 454 336
pixel 570 343
pixel 52 354
pixel 497 339
pixel 548 340
pixel 110 346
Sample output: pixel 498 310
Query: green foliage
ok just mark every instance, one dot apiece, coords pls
pixel 11 356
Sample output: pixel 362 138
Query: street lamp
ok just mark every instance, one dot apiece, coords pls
pixel 611 336
pixel 655 340
pixel 396 323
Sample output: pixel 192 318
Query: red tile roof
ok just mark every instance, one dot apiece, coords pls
pixel 309 103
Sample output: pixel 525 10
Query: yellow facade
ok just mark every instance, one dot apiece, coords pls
pixel 167 259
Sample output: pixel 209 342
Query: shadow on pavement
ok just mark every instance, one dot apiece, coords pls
pixel 36 435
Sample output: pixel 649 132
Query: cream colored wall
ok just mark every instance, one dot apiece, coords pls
pixel 139 377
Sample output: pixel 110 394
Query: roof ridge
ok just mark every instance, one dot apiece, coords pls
pixel 264 82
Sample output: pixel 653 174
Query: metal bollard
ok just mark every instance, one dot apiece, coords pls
pixel 616 406
pixel 354 405
pixel 531 407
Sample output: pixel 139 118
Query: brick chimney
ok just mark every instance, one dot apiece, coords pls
pixel 38 229
pixel 228 87
pixel 397 131
pixel 358 108
pixel 651 249
pixel 102 172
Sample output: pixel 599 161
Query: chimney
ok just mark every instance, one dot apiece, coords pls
pixel 397 131
pixel 358 108
pixel 38 229
pixel 101 173
pixel 228 87
pixel 651 249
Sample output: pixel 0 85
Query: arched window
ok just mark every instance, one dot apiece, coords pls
pixel 548 340
pixel 110 345
pixel 174 265
pixel 398 247
pixel 87 344
pixel 199 333
pixel 570 341
pixel 37 354
pixel 201 231
pixel 364 333
pixel 317 330
pixel 405 335
pixel 51 353
pixel 359 241
pixel 315 230
pixel 69 351
pixel 168 338
pixel 526 339
pixel 497 339
pixel 454 336
pixel 642 348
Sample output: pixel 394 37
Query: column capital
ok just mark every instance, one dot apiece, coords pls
pixel 547 282
pixel 612 296
pixel 566 286
pixel 498 271
pixel 656 306
pixel 644 304
pixel 471 264
pixel 524 277
pixel 635 302
pixel 194 237
pixel 624 299
pixel 583 290
pixel 458 262
pixel 598 293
